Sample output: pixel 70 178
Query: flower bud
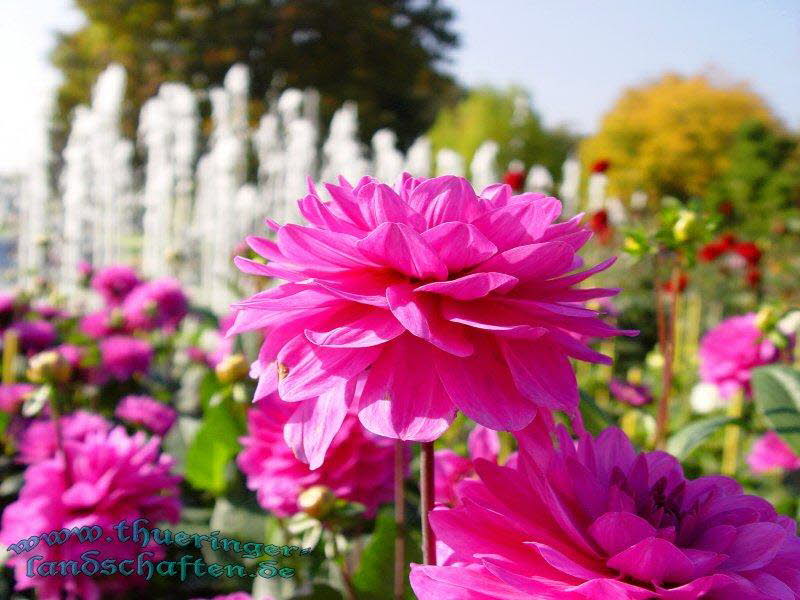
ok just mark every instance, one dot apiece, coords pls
pixel 49 366
pixel 316 501
pixel 232 368
pixel 766 318
pixel 684 226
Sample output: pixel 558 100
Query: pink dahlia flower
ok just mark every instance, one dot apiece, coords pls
pixel 596 520
pixel 114 283
pixel 38 441
pixel 358 469
pixel 770 452
pixel 122 357
pixel 160 303
pixel 730 351
pixel 431 297
pixel 35 336
pixel 13 394
pixel 451 468
pixel 630 393
pixel 101 323
pixel 149 412
pixel 112 476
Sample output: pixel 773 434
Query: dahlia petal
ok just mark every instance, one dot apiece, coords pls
pixel 518 223
pixel 756 544
pixel 264 248
pixel 342 199
pixel 771 586
pixel 459 245
pixel 698 588
pixel 443 199
pixel 483 443
pixel 460 584
pixel 615 531
pixel 654 560
pixel 471 287
pixel 541 373
pixel 563 563
pixel 574 348
pixel 318 213
pixel 311 370
pixel 575 278
pixel 384 205
pixel 252 267
pixel 403 397
pixel 369 328
pixel 401 248
pixel 419 315
pixel 320 247
pixel 482 387
pixel 611 589
pixel 716 539
pixel 531 262
pixel 314 423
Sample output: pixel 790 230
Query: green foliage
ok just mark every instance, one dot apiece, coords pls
pixel 684 441
pixel 506 117
pixel 776 390
pixel 385 55
pixel 213 447
pixel 595 419
pixel 373 580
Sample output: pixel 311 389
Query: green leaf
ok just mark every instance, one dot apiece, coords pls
pixel 685 440
pixel 5 418
pixel 595 419
pixel 374 579
pixel 776 391
pixel 212 448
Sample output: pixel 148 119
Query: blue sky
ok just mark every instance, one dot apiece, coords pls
pixel 575 56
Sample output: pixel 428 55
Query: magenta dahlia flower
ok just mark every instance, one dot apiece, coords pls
pixel 358 469
pixel 35 336
pixel 596 520
pixel 451 468
pixel 38 441
pixel 112 476
pixel 432 297
pixel 101 323
pixel 122 357
pixel 770 452
pixel 114 283
pixel 157 304
pixel 148 412
pixel 730 351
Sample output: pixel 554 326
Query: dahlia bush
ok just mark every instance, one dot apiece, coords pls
pixel 426 298
pixel 597 519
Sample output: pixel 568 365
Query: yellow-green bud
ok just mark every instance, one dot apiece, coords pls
pixel 232 368
pixel 316 501
pixel 684 225
pixel 766 318
pixel 49 366
pixel 632 245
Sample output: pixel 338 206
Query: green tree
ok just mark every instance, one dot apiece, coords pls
pixel 507 117
pixel 385 54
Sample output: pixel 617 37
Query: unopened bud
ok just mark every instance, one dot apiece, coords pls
pixel 766 318
pixel 232 368
pixel 316 501
pixel 49 366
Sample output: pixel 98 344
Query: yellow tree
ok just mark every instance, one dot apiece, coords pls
pixel 672 136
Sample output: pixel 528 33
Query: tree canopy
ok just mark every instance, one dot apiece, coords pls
pixel 386 54
pixel 672 136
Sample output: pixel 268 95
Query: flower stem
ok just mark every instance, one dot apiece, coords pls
pixel 426 502
pixel 732 434
pixel 668 350
pixel 399 521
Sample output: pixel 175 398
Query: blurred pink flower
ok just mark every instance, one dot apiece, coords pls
pixel 358 468
pixel 160 303
pixel 770 452
pixel 629 393
pixel 432 298
pixel 38 441
pixel 112 476
pixel 13 394
pixel 235 596
pixel 114 283
pixel 149 412
pixel 101 323
pixel 730 351
pixel 451 468
pixel 35 336
pixel 122 357
pixel 599 521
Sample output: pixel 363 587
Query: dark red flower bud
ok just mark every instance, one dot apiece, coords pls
pixel 516 179
pixel 600 166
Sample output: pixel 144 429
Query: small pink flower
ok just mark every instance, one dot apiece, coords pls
pixel 160 303
pixel 112 476
pixel 12 395
pixel 629 393
pixel 38 441
pixel 451 468
pixel 358 469
pixel 123 356
pixel 101 323
pixel 599 521
pixel 432 298
pixel 35 336
pixel 149 412
pixel 770 452
pixel 114 283
pixel 730 351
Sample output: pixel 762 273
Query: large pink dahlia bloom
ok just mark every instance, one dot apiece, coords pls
pixel 112 476
pixel 358 469
pixel 431 297
pixel 596 520
pixel 730 351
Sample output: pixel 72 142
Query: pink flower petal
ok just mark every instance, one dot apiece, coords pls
pixel 401 248
pixel 471 287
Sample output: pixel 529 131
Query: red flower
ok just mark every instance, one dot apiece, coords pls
pixel 516 179
pixel 711 251
pixel 725 208
pixel 598 223
pixel 753 277
pixel 748 251
pixel 683 281
pixel 600 166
